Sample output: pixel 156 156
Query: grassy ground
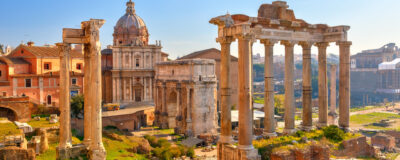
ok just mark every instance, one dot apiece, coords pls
pixel 43 123
pixel 7 129
pixel 116 149
pixel 355 109
pixel 367 119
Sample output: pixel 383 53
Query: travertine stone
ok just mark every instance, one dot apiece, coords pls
pixel 269 120
pixel 307 90
pixel 87 91
pixel 96 150
pixel 245 90
pixel 226 126
pixel 344 82
pixel 322 85
pixel 65 125
pixel 332 115
pixel 289 88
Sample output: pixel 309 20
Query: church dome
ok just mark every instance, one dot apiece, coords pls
pixel 130 28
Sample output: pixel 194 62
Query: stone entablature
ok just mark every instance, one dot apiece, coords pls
pixel 186 96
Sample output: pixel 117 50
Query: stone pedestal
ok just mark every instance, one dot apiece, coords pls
pixel 248 154
pixel 72 152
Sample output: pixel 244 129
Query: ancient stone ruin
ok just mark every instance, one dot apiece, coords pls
pixel 276 23
pixel 88 35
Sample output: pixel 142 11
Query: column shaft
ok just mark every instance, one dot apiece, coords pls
pixel 333 89
pixel 269 120
pixel 65 124
pixel 307 89
pixel 87 125
pixel 188 113
pixel 245 97
pixel 322 85
pixel 289 88
pixel 226 126
pixel 344 82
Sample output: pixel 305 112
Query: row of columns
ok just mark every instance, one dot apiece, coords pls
pixel 245 87
pixel 127 83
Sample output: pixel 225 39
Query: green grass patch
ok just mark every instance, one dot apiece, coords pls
pixel 43 123
pixel 8 129
pixel 372 117
pixel 356 109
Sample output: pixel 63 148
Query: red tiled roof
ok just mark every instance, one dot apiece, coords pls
pixel 41 51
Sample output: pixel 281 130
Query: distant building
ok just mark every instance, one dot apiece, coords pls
pixel 373 75
pixel 373 57
pixel 33 71
pixel 129 65
pixel 215 54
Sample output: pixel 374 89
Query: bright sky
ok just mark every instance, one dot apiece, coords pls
pixel 182 25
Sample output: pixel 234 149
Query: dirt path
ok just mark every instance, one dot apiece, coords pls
pixel 377 109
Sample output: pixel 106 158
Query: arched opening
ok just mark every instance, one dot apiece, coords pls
pixel 49 100
pixel 8 113
pixel 172 109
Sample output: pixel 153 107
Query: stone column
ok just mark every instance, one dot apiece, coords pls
pixel 188 113
pixel 178 117
pixel 332 113
pixel 322 85
pixel 344 83
pixel 269 120
pixel 290 108
pixel 65 117
pixel 307 89
pixel 87 125
pixel 96 150
pixel 226 126
pixel 164 113
pixel 245 97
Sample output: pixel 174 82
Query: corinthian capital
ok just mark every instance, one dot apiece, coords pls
pixel 306 45
pixel 344 43
pixel 63 48
pixel 288 43
pixel 225 40
pixel 322 44
pixel 268 42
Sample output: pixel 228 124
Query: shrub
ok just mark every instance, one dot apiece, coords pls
pixel 333 133
pixel 152 140
pixel 190 152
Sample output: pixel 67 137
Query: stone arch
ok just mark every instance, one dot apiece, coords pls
pixel 9 113
pixel 172 108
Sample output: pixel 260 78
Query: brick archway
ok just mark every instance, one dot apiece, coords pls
pixel 8 113
pixel 18 109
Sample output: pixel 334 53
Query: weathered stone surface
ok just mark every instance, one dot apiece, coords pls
pixel 383 141
pixel 283 155
pixel 44 144
pixel 356 147
pixel 69 153
pixel 187 89
pixel 16 153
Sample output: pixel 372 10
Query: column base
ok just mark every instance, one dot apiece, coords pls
pixel 269 135
pixel 86 143
pixel 346 129
pixel 289 131
pixel 75 151
pixel 248 153
pixel 98 154
pixel 321 125
pixel 306 128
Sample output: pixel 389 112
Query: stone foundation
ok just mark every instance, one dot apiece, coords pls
pixel 313 152
pixel 384 142
pixel 74 152
pixel 356 147
pixel 16 153
pixel 231 152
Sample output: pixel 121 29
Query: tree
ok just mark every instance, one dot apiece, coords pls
pixel 77 105
pixel 1 49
